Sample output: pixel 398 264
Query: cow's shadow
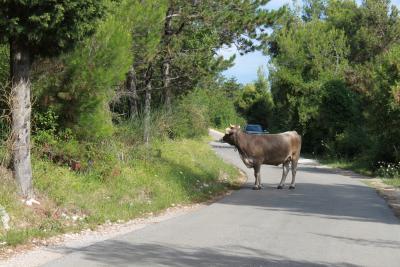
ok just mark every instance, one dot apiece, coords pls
pixel 342 200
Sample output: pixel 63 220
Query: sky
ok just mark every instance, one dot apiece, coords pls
pixel 245 68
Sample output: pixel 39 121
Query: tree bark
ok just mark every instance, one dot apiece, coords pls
pixel 131 86
pixel 168 32
pixel 21 117
pixel 147 106
pixel 167 86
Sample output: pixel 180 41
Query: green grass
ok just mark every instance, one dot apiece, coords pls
pixel 392 181
pixel 115 188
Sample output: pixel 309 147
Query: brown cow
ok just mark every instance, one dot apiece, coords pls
pixel 271 149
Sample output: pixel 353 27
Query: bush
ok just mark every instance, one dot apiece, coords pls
pixel 388 170
pixel 4 80
pixel 255 101
pixel 351 142
pixel 4 64
pixel 86 78
pixel 190 118
pixel 45 127
pixel 384 107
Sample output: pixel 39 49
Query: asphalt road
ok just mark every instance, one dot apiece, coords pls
pixel 330 219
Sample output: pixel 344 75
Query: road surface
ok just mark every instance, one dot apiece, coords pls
pixel 330 219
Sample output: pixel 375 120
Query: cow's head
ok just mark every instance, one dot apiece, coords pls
pixel 230 134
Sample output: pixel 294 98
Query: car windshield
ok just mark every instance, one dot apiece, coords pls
pixel 254 128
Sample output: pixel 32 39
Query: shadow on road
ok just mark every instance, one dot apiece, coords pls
pixel 121 253
pixel 365 242
pixel 338 202
pixel 341 200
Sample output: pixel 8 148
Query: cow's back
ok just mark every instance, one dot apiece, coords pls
pixel 273 149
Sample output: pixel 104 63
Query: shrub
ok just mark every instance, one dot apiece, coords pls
pixel 45 127
pixel 388 170
pixel 86 78
pixel 4 79
pixel 351 142
pixel 384 108
pixel 190 118
pixel 4 64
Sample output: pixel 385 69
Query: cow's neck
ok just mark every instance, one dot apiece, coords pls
pixel 241 143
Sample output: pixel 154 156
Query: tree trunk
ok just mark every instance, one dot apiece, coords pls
pixel 167 86
pixel 168 32
pixel 21 117
pixel 147 106
pixel 131 83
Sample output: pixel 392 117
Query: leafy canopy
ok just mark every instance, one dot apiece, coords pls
pixel 48 26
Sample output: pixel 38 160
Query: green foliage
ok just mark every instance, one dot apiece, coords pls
pixel 220 108
pixel 45 127
pixel 334 130
pixel 45 27
pixel 94 69
pixel 192 116
pixel 4 89
pixel 313 9
pixel 246 18
pixel 310 55
pixel 188 41
pixel 385 103
pixel 4 65
pixel 146 28
pixel 80 93
pixel 255 103
pixel 334 78
pixel 388 170
pixel 201 109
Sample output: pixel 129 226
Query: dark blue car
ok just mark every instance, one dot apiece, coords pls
pixel 255 129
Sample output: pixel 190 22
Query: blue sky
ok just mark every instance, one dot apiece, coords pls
pixel 245 68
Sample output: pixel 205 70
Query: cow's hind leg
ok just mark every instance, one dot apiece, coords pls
pixel 257 184
pixel 294 170
pixel 285 171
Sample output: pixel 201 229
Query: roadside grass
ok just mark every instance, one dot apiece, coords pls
pixel 133 182
pixel 392 181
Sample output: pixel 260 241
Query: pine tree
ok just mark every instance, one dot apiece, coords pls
pixel 32 29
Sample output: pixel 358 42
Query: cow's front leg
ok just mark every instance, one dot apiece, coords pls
pixel 257 184
pixel 285 172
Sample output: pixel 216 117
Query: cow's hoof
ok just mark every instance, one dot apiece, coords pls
pixel 256 187
pixel 280 187
pixel 292 187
